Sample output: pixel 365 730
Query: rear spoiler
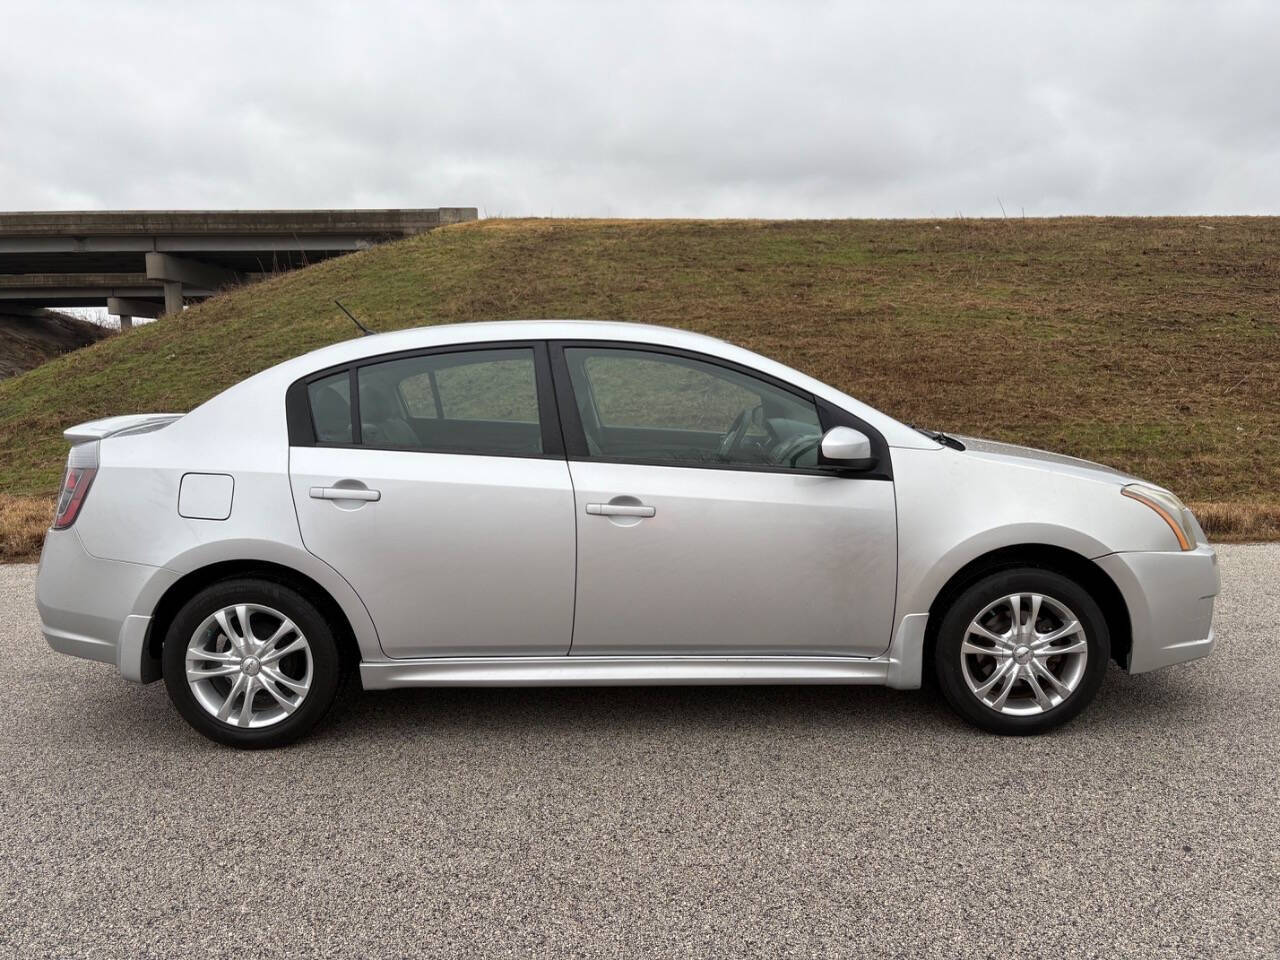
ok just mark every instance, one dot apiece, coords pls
pixel 109 427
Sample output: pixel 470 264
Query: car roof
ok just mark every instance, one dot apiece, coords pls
pixel 449 333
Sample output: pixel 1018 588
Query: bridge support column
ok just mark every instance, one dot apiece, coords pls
pixel 126 308
pixel 173 297
pixel 176 271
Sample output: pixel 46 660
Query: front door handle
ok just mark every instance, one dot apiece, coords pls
pixel 620 510
pixel 345 493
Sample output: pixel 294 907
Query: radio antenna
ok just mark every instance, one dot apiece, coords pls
pixel 364 331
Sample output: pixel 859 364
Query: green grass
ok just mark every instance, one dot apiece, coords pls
pixel 1152 344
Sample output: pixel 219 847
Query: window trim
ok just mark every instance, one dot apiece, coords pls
pixel 302 431
pixel 829 415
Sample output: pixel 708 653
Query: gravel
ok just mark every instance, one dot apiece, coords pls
pixel 643 822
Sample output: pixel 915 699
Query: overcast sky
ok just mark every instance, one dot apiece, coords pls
pixel 634 109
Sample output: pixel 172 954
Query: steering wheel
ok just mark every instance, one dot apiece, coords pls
pixel 738 431
pixel 795 448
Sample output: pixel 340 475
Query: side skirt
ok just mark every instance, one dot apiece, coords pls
pixel 570 671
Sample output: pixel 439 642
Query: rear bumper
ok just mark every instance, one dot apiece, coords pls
pixel 1170 598
pixel 98 609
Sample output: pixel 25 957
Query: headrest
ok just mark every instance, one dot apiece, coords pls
pixel 376 404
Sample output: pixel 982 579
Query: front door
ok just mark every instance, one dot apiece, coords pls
pixel 705 524
pixel 433 486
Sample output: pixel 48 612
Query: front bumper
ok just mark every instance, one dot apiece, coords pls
pixel 98 609
pixel 1170 600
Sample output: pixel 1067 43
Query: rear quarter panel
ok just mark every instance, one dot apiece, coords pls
pixel 132 511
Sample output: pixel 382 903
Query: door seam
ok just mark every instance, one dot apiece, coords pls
pixel 545 358
pixel 573 617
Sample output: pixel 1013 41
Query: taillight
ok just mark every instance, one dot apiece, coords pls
pixel 82 467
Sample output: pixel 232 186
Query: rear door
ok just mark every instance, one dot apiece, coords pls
pixel 706 525
pixel 435 483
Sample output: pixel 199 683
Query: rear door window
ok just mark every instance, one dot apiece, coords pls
pixel 479 402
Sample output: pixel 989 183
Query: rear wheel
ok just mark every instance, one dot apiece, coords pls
pixel 251 663
pixel 1022 651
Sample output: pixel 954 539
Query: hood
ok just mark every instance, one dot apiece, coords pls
pixel 1042 459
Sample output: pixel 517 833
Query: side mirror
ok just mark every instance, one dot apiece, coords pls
pixel 848 448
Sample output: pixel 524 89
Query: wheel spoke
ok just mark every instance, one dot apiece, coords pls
pixel 1036 600
pixel 1077 646
pixel 986 634
pixel 288 683
pixel 1037 691
pixel 1066 630
pixel 1011 679
pixel 285 703
pixel 246 708
pixel 1061 688
pixel 213 656
pixel 236 641
pixel 1015 607
pixel 286 627
pixel 996 674
pixel 226 670
pixel 275 655
pixel 224 712
pixel 975 650
pixel 246 632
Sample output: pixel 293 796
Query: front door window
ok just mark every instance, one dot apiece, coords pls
pixel 643 406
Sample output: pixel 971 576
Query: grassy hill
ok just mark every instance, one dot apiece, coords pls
pixel 28 340
pixel 1149 344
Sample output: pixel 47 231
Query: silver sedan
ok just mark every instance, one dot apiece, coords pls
pixel 560 502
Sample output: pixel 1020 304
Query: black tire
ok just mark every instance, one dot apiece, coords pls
pixel 988 590
pixel 326 668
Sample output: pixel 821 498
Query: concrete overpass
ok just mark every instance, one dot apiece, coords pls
pixel 145 263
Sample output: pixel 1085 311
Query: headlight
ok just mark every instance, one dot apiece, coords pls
pixel 1172 511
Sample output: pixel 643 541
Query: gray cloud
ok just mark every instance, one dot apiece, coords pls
pixel 708 109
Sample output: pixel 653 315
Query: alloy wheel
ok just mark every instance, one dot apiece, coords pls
pixel 249 665
pixel 1024 654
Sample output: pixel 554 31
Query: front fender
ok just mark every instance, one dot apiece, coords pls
pixel 954 508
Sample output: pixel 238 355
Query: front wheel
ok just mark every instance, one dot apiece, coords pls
pixel 251 663
pixel 1022 651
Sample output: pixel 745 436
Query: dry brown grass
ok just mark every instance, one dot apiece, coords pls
pixel 1238 522
pixel 23 521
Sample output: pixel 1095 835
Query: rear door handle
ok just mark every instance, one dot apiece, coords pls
pixel 620 510
pixel 345 493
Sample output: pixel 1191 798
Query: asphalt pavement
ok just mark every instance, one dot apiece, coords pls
pixel 647 822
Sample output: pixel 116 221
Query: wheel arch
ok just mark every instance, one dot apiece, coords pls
pixel 1048 557
pixel 191 583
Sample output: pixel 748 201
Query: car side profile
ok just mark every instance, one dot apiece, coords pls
pixel 579 503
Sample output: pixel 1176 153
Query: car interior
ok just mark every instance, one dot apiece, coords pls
pixel 667 408
pixel 632 405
